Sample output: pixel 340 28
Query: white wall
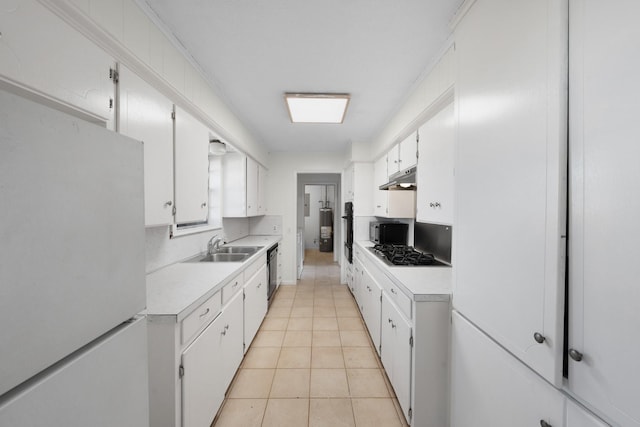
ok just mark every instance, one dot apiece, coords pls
pixel 282 196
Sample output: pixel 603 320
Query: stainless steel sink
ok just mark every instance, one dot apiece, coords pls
pixel 220 257
pixel 228 254
pixel 238 250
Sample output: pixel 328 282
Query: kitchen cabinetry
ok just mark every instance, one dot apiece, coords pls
pixel 489 387
pixel 361 176
pixel 511 176
pixel 411 334
pixel 145 115
pixel 262 189
pixel 396 343
pixel 390 204
pixel 577 416
pixel 204 383
pixel 191 160
pixel 604 233
pixel 435 169
pixel 243 186
pixel 403 155
pixel 33 36
pixel 255 303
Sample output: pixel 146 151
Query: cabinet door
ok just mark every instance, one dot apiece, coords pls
pixel 435 169
pixel 255 304
pixel 202 382
pixel 605 182
pixel 393 160
pixel 191 148
pixel 232 339
pixel 510 175
pixel 362 191
pixel 234 195
pixel 396 352
pixel 262 190
pixel 42 53
pixel 371 311
pixel 490 387
pixel 145 114
pixel 380 177
pixel 408 149
pixel 252 187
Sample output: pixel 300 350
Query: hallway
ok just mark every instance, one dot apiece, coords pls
pixel 312 362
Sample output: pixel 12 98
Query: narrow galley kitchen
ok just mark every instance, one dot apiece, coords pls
pixel 312 362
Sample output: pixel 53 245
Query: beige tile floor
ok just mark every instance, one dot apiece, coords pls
pixel 312 362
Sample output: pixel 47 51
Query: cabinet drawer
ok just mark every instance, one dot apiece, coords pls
pixel 230 289
pixel 399 298
pixel 254 267
pixel 200 317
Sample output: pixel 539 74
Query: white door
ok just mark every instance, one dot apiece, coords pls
pixel 605 182
pixel 510 176
pixel 191 168
pixel 252 187
pixel 202 382
pixel 490 387
pixel 145 115
pixel 380 177
pixel 255 304
pixel 408 149
pixel 233 338
pixel 435 169
pixel 43 53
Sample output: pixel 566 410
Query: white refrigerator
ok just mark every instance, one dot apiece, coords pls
pixel 73 347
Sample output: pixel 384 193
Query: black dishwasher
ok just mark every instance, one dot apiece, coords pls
pixel 272 268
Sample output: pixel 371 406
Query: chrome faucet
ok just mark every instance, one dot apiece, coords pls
pixel 213 245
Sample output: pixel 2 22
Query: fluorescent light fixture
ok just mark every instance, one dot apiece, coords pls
pixel 317 107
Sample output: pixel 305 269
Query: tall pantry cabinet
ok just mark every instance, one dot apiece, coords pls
pixel 604 294
pixel 510 176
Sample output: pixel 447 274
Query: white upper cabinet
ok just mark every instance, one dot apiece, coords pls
pixel 380 177
pixel 435 169
pixel 191 151
pixel 510 176
pixel 605 207
pixel 362 195
pixel 43 54
pixel 244 186
pixel 403 155
pixel 145 114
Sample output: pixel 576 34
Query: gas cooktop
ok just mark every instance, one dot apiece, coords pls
pixel 403 255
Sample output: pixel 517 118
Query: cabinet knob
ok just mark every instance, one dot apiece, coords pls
pixel 539 337
pixel 393 291
pixel 204 204
pixel 169 203
pixel 543 423
pixel 224 332
pixel 431 205
pixel 437 204
pixel 575 355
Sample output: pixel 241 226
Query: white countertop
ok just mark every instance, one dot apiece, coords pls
pixel 178 289
pixel 421 283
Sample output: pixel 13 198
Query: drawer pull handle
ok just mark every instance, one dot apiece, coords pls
pixel 543 423
pixel 259 284
pixel 234 285
pixel 205 312
pixel 393 291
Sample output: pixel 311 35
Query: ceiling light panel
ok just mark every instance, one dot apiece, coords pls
pixel 317 107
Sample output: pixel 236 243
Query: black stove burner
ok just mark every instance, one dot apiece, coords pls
pixel 405 255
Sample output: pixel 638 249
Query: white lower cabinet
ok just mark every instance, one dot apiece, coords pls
pixel 490 387
pixel 205 376
pixel 255 304
pixel 396 343
pixel 371 293
pixel 194 356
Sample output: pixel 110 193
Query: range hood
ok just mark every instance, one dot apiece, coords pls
pixel 402 180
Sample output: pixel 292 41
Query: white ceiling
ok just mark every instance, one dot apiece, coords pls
pixel 253 51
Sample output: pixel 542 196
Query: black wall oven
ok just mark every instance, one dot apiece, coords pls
pixel 348 235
